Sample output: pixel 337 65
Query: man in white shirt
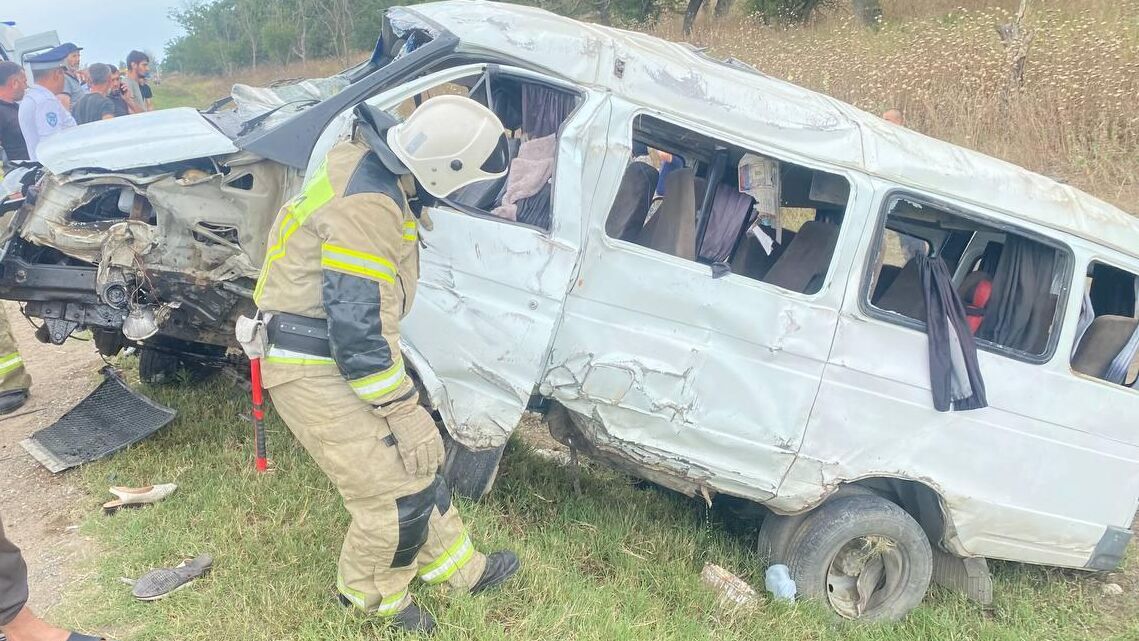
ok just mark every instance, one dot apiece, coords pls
pixel 41 113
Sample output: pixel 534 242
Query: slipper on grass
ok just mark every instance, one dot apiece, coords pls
pixel 137 496
pixel 163 582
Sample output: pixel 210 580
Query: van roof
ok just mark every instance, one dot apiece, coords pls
pixel 674 79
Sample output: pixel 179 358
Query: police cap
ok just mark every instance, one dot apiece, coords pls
pixel 52 58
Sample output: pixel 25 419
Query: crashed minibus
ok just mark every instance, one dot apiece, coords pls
pixel 701 275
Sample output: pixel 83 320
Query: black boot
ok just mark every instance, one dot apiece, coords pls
pixel 500 566
pixel 410 619
pixel 414 619
pixel 12 400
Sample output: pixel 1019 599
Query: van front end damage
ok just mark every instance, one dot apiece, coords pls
pixel 165 255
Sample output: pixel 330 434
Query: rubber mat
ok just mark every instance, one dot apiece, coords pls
pixel 111 418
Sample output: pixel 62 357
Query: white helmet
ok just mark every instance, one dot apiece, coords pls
pixel 450 142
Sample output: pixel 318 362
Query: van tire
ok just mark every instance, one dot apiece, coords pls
pixel 775 533
pixel 853 539
pixel 159 367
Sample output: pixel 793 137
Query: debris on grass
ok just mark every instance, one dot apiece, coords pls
pixel 731 589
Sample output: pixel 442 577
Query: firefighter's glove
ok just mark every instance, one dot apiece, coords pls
pixel 416 437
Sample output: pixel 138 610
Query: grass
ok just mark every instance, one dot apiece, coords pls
pixel 618 562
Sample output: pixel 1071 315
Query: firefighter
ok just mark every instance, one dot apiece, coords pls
pixel 14 379
pixel 339 274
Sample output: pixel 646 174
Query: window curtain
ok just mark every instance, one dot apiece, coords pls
pixel 954 373
pixel 1017 315
pixel 544 110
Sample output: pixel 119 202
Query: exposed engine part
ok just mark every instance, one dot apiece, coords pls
pixel 55 330
pixel 140 324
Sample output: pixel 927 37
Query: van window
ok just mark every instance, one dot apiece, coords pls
pixel 1010 284
pixel 1107 337
pixel 533 114
pixel 705 200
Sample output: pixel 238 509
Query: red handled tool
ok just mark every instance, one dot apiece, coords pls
pixel 262 461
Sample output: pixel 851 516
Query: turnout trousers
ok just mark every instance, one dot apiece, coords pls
pixel 403 526
pixel 13 580
pixel 13 376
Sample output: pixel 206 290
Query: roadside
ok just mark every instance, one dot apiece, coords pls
pixel 41 512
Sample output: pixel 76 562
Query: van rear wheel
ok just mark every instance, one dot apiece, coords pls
pixel 863 556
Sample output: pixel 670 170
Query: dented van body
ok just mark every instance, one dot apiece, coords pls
pixel 784 376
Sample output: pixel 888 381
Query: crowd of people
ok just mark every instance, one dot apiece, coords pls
pixel 64 94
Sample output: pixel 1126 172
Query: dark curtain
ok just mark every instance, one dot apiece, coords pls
pixel 1022 285
pixel 544 110
pixel 954 373
pixel 1112 292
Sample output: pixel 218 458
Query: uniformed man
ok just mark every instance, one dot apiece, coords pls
pixel 339 274
pixel 41 113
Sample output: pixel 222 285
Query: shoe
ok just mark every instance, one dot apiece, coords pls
pixel 500 566
pixel 12 400
pixel 137 496
pixel 410 619
pixel 163 582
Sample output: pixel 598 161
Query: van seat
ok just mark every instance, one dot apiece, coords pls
pixel 627 215
pixel 803 265
pixel 1103 340
pixel 904 296
pixel 750 260
pixel 672 229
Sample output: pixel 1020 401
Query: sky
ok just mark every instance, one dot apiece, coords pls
pixel 107 31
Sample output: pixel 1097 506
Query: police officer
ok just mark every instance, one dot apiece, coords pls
pixel 41 113
pixel 339 274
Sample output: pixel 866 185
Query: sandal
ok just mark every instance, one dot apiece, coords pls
pixel 75 636
pixel 163 582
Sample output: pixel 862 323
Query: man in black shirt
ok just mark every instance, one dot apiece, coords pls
pixel 13 84
pixel 95 105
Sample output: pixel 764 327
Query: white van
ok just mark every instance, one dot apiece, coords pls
pixel 766 342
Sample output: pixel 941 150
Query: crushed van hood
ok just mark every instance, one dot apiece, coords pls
pixel 141 140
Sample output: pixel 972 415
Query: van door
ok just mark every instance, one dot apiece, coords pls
pixel 696 382
pixel 491 291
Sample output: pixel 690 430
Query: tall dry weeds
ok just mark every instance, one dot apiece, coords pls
pixel 1076 118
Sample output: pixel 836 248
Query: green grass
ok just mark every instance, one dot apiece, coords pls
pixel 617 562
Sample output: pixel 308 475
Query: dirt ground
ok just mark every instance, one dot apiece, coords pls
pixel 52 546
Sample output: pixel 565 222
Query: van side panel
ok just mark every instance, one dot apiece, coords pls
pixel 1037 476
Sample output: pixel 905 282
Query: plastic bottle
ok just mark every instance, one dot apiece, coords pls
pixel 778 582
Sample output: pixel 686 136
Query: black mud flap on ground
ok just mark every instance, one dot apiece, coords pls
pixel 470 473
pixel 111 418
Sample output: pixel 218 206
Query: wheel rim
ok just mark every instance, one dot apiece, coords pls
pixel 867 573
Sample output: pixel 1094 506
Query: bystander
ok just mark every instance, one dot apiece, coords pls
pixel 74 85
pixel 138 68
pixel 13 84
pixel 120 96
pixel 95 104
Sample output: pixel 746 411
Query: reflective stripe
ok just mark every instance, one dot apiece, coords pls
pixel 10 363
pixel 317 192
pixel 386 608
pixel 409 230
pixel 289 357
pixel 351 261
pixel 451 561
pixel 379 384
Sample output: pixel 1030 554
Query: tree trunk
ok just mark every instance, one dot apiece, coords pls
pixel 603 14
pixel 690 15
pixel 722 8
pixel 869 12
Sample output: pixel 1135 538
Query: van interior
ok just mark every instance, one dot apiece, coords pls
pixel 533 114
pixel 1009 283
pixel 680 195
pixel 1107 337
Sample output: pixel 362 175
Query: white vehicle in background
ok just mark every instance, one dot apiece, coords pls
pixel 17 47
pixel 785 365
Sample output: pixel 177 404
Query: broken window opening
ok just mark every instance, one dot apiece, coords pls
pixel 533 114
pixel 1107 337
pixel 1012 284
pixel 705 200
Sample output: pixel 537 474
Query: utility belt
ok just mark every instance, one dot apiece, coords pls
pixel 300 334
